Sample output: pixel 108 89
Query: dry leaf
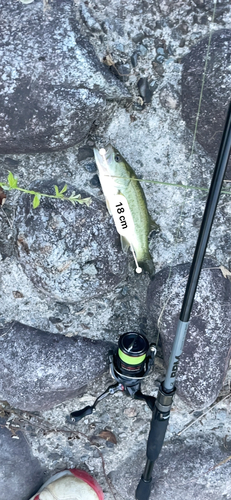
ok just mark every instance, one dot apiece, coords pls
pixel 108 60
pixel 108 436
pixel 225 271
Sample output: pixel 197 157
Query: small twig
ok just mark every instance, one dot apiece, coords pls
pixel 7 218
pixel 203 414
pixel 3 335
pixel 218 465
pixel 104 471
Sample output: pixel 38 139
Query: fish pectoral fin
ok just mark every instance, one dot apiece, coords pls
pixel 124 244
pixel 153 225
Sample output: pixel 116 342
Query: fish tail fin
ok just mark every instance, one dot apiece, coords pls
pixel 147 265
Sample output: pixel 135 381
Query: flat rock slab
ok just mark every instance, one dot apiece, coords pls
pixel 214 104
pixel 181 472
pixel 21 474
pixel 53 86
pixel 71 252
pixel 39 370
pixel 205 359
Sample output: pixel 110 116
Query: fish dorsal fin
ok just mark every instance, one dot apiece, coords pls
pixel 153 226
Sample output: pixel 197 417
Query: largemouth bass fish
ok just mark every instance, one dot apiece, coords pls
pixel 117 178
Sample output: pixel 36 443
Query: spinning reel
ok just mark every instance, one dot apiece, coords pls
pixel 129 365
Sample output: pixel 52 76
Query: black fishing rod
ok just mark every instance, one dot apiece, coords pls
pixel 161 412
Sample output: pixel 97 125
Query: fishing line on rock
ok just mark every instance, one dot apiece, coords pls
pixel 192 152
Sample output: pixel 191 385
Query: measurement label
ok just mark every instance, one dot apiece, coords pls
pixel 120 210
pixel 122 216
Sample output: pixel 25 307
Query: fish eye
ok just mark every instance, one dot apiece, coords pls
pixel 117 158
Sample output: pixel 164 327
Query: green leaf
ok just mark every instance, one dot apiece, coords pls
pixel 12 181
pixel 5 187
pixel 76 197
pixel 56 190
pixel 88 201
pixel 64 189
pixel 36 201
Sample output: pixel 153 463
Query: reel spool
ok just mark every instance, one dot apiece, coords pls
pixel 130 359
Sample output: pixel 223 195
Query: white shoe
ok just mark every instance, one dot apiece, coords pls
pixel 73 484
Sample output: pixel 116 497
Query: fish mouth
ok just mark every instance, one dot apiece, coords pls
pixel 103 157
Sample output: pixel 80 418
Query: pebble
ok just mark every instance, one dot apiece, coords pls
pixel 54 320
pixel 160 51
pixel 158 68
pixel 91 167
pixel 130 412
pixel 95 182
pixel 144 89
pixel 169 97
pixel 160 59
pixel 120 47
pixel 84 153
pixel 138 38
pixel 121 71
pixel 142 50
pixel 134 59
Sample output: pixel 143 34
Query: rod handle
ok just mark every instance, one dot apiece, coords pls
pixel 143 489
pixel 157 432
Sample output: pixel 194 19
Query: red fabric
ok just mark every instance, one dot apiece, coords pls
pixel 89 480
pixel 37 497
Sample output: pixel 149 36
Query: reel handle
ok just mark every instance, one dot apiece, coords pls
pixel 79 414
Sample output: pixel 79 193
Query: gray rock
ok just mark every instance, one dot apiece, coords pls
pixel 181 472
pixel 214 104
pixel 53 86
pixel 40 370
pixel 57 240
pixel 21 474
pixel 205 359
